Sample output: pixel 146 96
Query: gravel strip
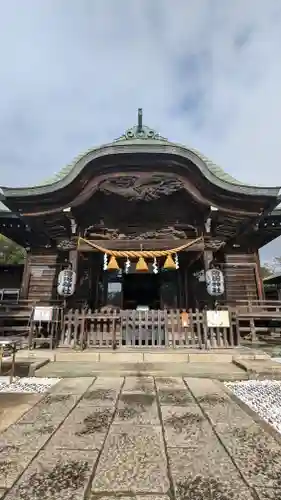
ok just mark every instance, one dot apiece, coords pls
pixel 27 385
pixel 264 397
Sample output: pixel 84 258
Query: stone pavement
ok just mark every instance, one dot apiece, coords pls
pixel 138 437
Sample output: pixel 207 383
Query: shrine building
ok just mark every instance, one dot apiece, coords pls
pixel 141 221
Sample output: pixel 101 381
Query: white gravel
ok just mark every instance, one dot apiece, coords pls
pixel 27 385
pixel 263 396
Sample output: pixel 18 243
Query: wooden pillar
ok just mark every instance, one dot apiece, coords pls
pixel 208 257
pixel 260 287
pixel 25 276
pixel 73 259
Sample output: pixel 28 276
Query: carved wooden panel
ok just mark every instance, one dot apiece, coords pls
pixel 115 217
pixel 144 186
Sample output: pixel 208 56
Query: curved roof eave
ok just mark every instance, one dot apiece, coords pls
pixel 212 172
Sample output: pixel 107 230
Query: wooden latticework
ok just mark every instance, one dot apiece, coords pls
pixel 153 328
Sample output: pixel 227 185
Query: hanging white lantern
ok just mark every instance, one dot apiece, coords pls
pixel 66 283
pixel 177 261
pixel 127 265
pixel 214 282
pixel 105 261
pixel 155 268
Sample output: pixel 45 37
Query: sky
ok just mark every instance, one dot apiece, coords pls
pixel 207 74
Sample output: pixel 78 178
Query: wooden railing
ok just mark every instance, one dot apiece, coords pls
pixel 258 317
pixel 15 317
pixel 263 308
pixel 154 328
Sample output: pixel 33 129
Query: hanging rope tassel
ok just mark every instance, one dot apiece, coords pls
pixel 169 263
pixel 113 264
pixel 141 265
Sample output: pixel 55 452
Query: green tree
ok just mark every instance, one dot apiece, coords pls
pixel 10 252
pixel 266 271
pixel 277 264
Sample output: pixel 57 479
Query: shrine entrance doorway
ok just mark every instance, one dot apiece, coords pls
pixel 141 290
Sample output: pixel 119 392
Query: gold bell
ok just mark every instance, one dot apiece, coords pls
pixel 169 263
pixel 113 264
pixel 141 265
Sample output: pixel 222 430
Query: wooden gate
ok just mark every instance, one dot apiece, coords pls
pixel 154 328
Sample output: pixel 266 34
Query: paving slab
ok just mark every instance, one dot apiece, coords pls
pixel 139 385
pixel 255 452
pixel 103 392
pixel 84 429
pixel 133 460
pixel 185 427
pixel 13 406
pixel 130 497
pixel 269 494
pixel 56 475
pixel 109 382
pixel 137 409
pixel 12 464
pixel 169 382
pixel 53 409
pixel 220 408
pixel 206 472
pixel 173 392
pixel 26 437
pixel 72 385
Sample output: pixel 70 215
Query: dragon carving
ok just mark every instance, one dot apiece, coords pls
pixel 141 187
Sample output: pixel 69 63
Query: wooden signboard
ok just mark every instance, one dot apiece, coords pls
pixel 217 319
pixel 43 314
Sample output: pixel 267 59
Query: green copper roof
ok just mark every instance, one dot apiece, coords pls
pixel 143 134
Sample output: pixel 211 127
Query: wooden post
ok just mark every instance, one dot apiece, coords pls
pixel 260 287
pixel 13 363
pixel 73 259
pixel 208 257
pixel 26 276
pixel 1 358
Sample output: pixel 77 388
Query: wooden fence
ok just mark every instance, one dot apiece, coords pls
pixel 153 328
pixel 111 328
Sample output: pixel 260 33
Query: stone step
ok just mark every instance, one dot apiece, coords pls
pixel 221 371
pixel 259 368
pixel 177 355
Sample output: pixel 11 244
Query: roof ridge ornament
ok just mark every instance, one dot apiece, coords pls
pixel 139 120
pixel 140 131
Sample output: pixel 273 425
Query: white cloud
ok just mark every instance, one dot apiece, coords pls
pixel 73 73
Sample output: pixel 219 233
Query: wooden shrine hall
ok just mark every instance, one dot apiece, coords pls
pixel 141 224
